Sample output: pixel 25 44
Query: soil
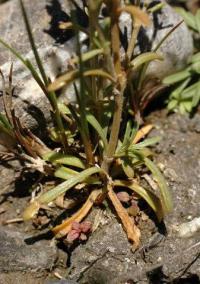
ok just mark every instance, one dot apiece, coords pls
pixel 107 257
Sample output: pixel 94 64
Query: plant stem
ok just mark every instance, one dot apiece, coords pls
pixel 118 89
pixel 81 99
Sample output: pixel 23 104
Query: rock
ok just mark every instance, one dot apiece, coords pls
pixel 20 278
pixel 31 104
pixel 17 255
pixel 56 46
pixel 176 49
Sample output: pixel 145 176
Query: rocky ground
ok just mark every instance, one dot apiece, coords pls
pixel 29 255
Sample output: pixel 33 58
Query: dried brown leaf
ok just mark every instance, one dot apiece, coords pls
pixel 133 233
pixel 64 228
pixel 139 16
pixel 142 133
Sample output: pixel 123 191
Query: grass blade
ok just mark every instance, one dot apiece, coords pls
pixel 96 125
pixel 166 199
pixel 58 190
pixel 147 195
pixel 64 159
pixel 33 45
pixel 145 143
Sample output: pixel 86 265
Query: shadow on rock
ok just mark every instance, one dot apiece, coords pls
pixel 54 9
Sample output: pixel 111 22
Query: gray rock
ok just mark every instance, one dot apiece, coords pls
pixel 176 49
pixel 17 255
pixel 30 103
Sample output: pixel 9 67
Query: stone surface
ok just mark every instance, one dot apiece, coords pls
pixel 176 49
pixel 17 255
pixel 56 46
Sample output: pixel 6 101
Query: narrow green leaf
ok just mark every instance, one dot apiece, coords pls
pixel 179 90
pixel 126 141
pixel 166 199
pixel 197 20
pixel 187 105
pixel 128 167
pixel 13 51
pixel 64 159
pixel 156 7
pixel 146 143
pixel 65 173
pixel 63 80
pixel 32 43
pixel 70 76
pixel 177 77
pixel 195 58
pixel 182 109
pixel 188 17
pixel 96 125
pixel 26 63
pixel 196 67
pixel 88 55
pixel 147 195
pixel 196 97
pixel 144 58
pixel 172 104
pixel 190 91
pixel 66 185
pixel 4 121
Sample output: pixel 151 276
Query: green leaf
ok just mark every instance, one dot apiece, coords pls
pixel 147 195
pixel 166 199
pixel 144 58
pixel 146 143
pixel 65 173
pixel 188 17
pixel 179 90
pixel 59 158
pixel 187 105
pixel 177 77
pixel 156 7
pixel 197 20
pixel 88 55
pixel 4 121
pixel 96 125
pixel 196 67
pixel 128 167
pixel 66 185
pixel 182 108
pixel 72 75
pixel 196 97
pixel 52 194
pixel 190 91
pixel 32 43
pixel 26 63
pixel 63 108
pixel 195 58
pixel 172 104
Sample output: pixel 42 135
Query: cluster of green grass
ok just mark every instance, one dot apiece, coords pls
pixel 185 96
pixel 99 135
